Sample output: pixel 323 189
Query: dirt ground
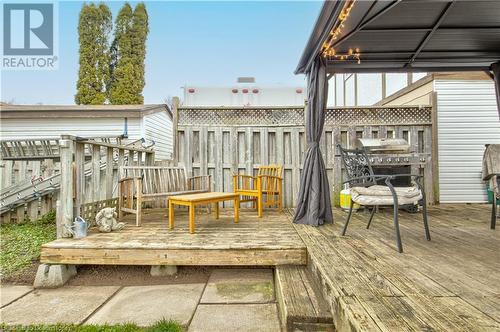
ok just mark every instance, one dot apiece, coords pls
pixel 112 275
pixel 24 278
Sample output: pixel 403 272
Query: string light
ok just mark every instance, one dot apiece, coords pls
pixel 328 50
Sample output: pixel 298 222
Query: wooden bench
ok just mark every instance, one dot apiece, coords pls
pixel 139 184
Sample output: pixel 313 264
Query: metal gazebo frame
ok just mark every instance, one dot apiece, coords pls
pixel 390 36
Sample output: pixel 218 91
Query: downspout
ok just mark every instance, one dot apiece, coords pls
pixel 125 128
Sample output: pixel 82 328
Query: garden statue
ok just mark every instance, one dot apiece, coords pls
pixel 106 220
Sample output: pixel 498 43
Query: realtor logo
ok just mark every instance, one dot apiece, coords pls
pixel 28 29
pixel 30 40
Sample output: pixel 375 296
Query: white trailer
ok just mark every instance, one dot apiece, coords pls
pixel 244 93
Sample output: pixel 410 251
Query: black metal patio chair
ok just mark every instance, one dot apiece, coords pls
pixel 366 190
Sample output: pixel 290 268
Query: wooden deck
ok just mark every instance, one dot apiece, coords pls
pixel 448 284
pixel 269 241
pixel 451 283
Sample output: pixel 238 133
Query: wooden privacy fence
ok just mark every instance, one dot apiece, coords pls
pixel 30 172
pixel 83 177
pixel 226 141
pixel 76 160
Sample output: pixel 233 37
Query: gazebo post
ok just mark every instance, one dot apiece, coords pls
pixel 495 68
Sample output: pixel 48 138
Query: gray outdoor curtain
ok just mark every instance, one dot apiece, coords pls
pixel 495 68
pixel 313 204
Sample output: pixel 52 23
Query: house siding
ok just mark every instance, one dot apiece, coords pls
pixel 467 120
pixel 419 96
pixel 54 127
pixel 157 127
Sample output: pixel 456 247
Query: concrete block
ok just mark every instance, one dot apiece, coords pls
pixel 239 286
pixel 10 293
pixel 52 276
pixel 145 305
pixel 163 270
pixel 236 317
pixel 68 304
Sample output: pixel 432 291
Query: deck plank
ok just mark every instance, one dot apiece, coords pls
pixel 302 306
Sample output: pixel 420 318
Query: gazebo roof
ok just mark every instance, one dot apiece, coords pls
pixel 407 35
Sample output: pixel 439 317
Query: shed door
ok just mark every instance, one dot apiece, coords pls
pixel 467 120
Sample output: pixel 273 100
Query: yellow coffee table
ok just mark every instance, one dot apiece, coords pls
pixel 191 200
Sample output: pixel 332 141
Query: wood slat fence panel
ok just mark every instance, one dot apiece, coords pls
pixel 225 141
pixel 96 184
pixel 24 171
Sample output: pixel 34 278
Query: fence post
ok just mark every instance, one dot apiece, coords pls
pixel 65 215
pixel 150 159
pixel 175 122
pixel 434 149
pixel 96 173
pixel 109 173
pixel 139 158
pixel 121 161
pixel 79 176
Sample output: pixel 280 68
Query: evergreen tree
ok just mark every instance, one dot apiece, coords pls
pixel 94 28
pixel 140 30
pixel 121 55
pixel 128 52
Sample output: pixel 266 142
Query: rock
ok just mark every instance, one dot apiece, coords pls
pixel 52 276
pixel 163 270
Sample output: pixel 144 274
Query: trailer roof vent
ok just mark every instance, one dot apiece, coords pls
pixel 246 79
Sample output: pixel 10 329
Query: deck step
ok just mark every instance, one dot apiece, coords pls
pixel 301 303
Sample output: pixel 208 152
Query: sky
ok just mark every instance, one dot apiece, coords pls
pixel 189 43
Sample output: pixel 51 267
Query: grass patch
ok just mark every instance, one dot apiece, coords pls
pixel 165 326
pixel 21 243
pixel 160 326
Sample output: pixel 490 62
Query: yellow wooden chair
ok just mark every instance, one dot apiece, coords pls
pixel 265 189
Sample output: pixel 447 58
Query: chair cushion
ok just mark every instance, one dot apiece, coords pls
pixel 381 195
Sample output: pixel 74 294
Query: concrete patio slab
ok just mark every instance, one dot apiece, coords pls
pixel 235 317
pixel 61 305
pixel 239 286
pixel 144 305
pixel 9 293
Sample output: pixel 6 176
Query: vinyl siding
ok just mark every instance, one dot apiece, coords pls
pixel 419 96
pixel 158 128
pixel 55 127
pixel 467 120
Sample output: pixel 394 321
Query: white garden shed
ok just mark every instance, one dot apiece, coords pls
pixel 150 122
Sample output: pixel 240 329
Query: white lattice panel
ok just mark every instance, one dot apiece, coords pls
pixel 295 116
pixel 378 116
